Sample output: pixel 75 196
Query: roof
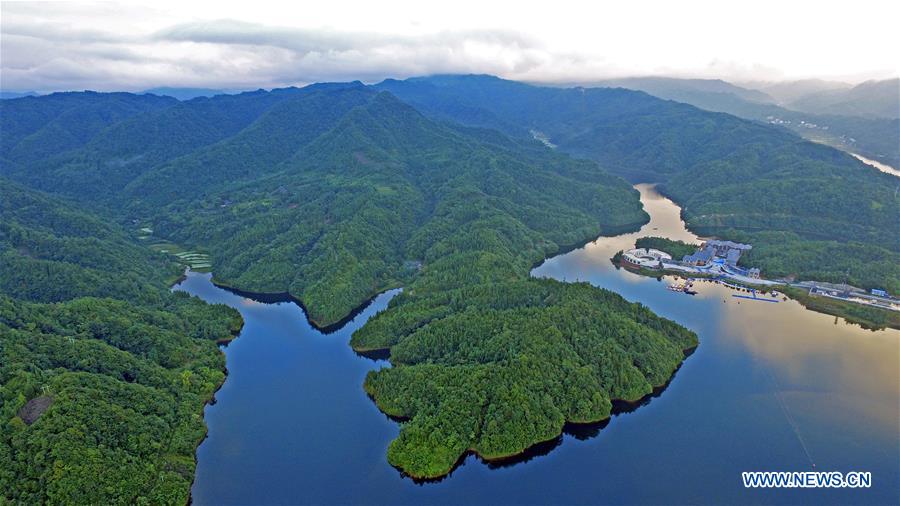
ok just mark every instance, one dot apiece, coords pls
pixel 701 256
pixel 728 244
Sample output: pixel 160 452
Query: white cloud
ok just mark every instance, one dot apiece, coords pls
pixel 110 46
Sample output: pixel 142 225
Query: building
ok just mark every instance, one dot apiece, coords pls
pixel 753 273
pixel 647 258
pixel 732 257
pixel 879 293
pixel 730 252
pixel 723 247
pixel 701 257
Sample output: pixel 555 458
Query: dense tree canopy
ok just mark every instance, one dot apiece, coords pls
pixel 384 190
pixel 495 368
pixel 678 249
pixel 100 396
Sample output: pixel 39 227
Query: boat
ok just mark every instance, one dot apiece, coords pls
pixel 683 287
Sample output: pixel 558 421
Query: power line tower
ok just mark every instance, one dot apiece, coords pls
pixel 846 287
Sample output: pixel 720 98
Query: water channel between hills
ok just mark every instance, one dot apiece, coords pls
pixel 772 387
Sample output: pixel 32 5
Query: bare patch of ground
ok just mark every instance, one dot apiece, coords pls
pixel 33 409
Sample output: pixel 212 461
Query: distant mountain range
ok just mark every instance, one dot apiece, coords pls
pixel 785 92
pixel 875 99
pixel 670 88
pixel 188 93
pixel 860 119
pixel 7 95
pixel 174 92
pixel 135 152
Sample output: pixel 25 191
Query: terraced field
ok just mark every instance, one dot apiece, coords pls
pixel 196 260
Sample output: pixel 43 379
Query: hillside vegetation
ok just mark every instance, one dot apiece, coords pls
pixel 103 371
pixel 677 249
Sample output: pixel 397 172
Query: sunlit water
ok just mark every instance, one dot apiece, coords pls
pixel 883 167
pixel 771 387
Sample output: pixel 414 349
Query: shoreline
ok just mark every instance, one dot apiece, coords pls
pixel 578 429
pixel 831 307
pixel 211 400
pixel 568 248
pixel 278 297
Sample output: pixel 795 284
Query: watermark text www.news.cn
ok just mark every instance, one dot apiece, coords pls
pixel 807 479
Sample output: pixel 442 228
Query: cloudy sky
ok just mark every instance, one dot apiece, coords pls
pixel 252 44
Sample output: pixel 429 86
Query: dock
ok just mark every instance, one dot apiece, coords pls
pixel 754 297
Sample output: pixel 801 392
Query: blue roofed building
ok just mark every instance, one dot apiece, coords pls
pixel 700 257
pixel 723 252
pixel 731 258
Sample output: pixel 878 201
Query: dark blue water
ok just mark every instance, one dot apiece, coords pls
pixel 772 387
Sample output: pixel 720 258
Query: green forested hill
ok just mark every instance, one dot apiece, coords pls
pixel 340 219
pixel 274 136
pixel 99 396
pixel 338 192
pixel 497 365
pixel 733 178
pixel 51 251
pixel 99 170
pixel 35 128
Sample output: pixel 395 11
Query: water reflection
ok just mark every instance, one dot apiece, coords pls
pixel 823 376
pixel 771 387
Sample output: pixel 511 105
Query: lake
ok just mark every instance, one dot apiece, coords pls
pixel 772 387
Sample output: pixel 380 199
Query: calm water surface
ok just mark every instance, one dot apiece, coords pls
pixel 771 387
